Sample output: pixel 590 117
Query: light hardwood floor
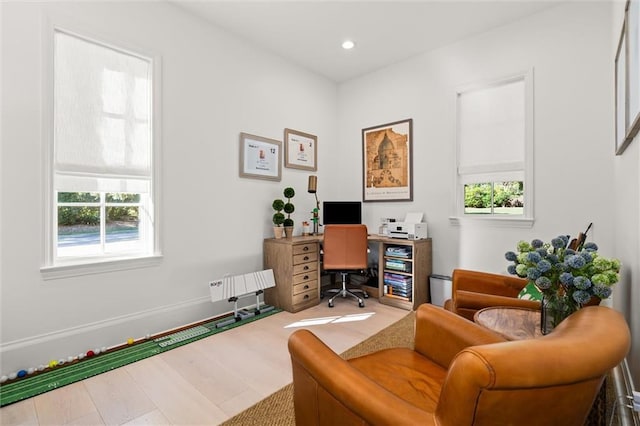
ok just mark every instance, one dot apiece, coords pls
pixel 205 382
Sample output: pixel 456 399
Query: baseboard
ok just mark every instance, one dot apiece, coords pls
pixel 623 389
pixel 38 350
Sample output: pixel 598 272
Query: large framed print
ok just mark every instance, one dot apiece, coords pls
pixel 301 150
pixel 387 162
pixel 260 157
pixel 633 68
pixel 621 115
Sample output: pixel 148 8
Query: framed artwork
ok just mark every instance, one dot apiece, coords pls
pixel 387 162
pixel 301 150
pixel 260 157
pixel 633 68
pixel 621 92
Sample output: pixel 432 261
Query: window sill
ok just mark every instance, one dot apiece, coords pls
pixel 97 267
pixel 499 222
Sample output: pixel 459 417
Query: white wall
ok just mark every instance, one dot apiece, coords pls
pixel 626 217
pixel 214 86
pixel 578 180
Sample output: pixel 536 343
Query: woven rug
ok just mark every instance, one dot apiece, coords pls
pixel 277 409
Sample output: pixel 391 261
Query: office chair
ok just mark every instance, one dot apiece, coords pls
pixel 345 250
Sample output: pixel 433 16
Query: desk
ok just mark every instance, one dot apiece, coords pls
pixel 510 322
pixel 296 265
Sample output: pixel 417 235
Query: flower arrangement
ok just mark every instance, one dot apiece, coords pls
pixel 568 277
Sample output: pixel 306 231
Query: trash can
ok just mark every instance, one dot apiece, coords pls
pixel 439 289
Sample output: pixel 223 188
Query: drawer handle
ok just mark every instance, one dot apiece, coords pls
pixel 306 248
pixel 306 296
pixel 306 286
pixel 306 258
pixel 306 277
pixel 306 267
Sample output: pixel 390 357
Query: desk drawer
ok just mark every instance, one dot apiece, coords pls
pixel 308 276
pixel 305 257
pixel 306 297
pixel 304 268
pixel 305 286
pixel 305 248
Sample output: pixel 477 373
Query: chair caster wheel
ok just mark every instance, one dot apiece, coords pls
pixel 330 305
pixel 365 295
pixel 361 304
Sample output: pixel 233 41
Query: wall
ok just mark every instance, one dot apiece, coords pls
pixel 626 214
pixel 578 180
pixel 214 86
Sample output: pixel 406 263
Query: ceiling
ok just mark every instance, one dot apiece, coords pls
pixel 309 33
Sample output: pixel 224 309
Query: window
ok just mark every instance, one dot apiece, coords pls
pixel 494 154
pixel 102 165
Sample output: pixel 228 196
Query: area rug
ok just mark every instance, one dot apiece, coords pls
pixel 277 408
pixel 62 375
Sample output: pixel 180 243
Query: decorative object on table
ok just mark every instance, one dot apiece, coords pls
pixel 301 150
pixel 569 276
pixel 260 157
pixel 278 218
pixel 627 78
pixel 387 162
pixel 289 208
pixel 312 188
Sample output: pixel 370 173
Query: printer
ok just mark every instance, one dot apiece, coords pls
pixel 411 229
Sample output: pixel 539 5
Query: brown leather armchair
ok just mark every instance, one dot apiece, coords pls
pixel 475 290
pixel 461 374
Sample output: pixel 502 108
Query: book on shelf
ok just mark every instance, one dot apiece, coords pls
pixel 393 296
pixel 398 251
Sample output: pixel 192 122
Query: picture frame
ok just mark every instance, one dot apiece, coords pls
pixel 301 150
pixel 632 27
pixel 621 115
pixel 260 157
pixel 387 162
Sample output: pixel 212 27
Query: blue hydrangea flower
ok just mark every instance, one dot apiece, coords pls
pixel 511 256
pixel 581 296
pixel 543 283
pixel 582 283
pixel 575 262
pixel 534 257
pixel 558 243
pixel 536 243
pixel 552 257
pixel 569 252
pixel 564 238
pixel 511 269
pixel 544 266
pixel 566 278
pixel 586 256
pixel 533 274
pixel 602 291
pixel 590 246
pixel 542 252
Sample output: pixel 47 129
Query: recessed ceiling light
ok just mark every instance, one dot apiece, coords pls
pixel 348 44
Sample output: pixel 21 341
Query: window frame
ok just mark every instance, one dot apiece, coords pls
pixel 527 218
pixel 53 268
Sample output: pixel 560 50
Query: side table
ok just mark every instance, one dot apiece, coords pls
pixel 510 322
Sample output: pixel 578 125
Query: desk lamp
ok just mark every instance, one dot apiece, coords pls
pixel 312 188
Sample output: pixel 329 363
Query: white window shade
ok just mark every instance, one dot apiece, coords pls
pixel 492 129
pixel 102 113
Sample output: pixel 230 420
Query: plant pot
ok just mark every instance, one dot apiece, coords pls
pixel 278 231
pixel 288 231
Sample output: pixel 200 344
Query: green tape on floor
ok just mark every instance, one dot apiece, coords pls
pixel 30 386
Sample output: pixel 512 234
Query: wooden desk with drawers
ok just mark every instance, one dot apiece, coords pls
pixel 296 265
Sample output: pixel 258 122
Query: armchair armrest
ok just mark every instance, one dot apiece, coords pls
pixel 477 301
pixel 320 376
pixel 441 334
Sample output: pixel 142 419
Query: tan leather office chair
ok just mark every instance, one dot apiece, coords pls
pixel 461 374
pixel 345 251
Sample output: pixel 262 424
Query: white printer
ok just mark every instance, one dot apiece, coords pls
pixel 411 229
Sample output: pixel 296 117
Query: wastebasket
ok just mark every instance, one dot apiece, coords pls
pixel 439 289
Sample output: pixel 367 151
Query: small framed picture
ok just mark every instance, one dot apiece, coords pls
pixel 387 162
pixel 301 150
pixel 260 157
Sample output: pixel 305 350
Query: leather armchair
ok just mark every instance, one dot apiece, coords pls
pixel 461 374
pixel 475 290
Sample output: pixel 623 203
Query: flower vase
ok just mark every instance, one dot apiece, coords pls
pixel 554 309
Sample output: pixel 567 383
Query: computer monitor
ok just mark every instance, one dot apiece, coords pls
pixel 341 212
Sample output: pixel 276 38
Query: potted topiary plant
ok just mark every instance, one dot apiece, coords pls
pixel 289 208
pixel 278 218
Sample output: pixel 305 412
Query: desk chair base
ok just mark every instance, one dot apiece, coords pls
pixel 344 292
